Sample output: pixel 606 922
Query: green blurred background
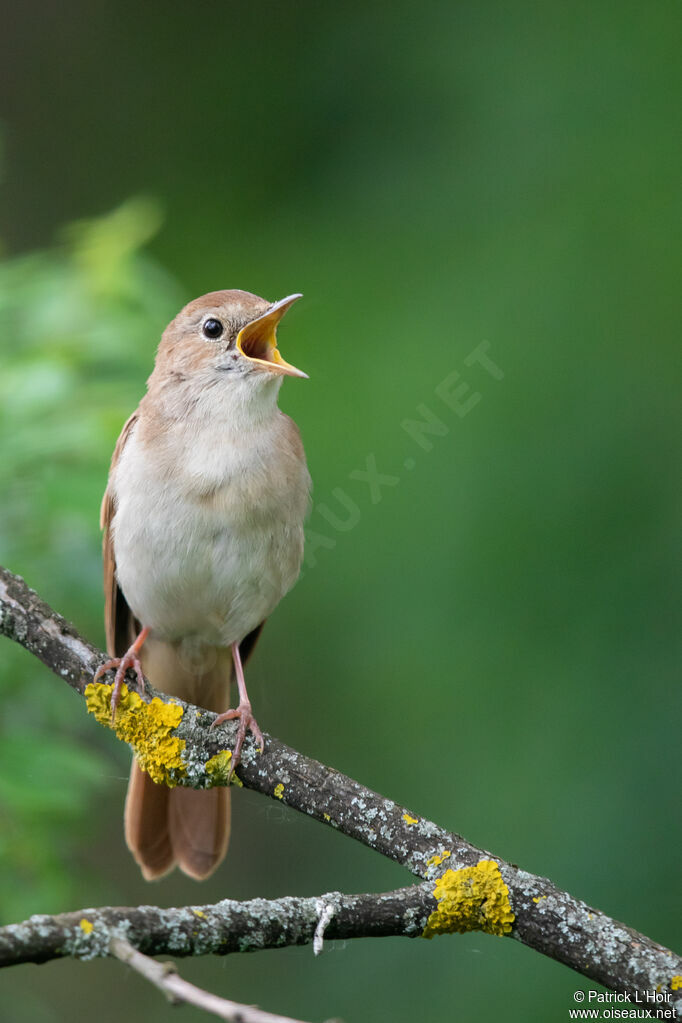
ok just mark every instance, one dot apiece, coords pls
pixel 493 642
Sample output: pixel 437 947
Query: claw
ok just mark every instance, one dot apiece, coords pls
pixel 130 659
pixel 247 723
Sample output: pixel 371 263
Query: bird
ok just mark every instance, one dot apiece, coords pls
pixel 202 522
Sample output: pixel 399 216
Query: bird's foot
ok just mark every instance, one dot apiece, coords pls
pixel 130 659
pixel 247 723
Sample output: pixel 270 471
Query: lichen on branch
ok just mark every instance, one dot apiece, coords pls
pixel 471 899
pixel 146 727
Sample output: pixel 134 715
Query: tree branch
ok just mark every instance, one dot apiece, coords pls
pixel 228 926
pixel 545 918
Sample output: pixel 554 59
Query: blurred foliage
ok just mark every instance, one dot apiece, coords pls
pixel 74 326
pixel 496 641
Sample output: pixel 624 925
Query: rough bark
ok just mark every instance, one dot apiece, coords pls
pixel 225 927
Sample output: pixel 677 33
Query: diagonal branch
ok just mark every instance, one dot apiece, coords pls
pixel 544 917
pixel 165 977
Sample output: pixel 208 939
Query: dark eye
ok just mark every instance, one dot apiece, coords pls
pixel 212 329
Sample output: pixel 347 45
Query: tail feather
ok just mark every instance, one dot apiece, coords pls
pixel 182 827
pixel 199 829
pixel 146 824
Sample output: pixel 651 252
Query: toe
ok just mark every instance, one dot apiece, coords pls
pixel 104 668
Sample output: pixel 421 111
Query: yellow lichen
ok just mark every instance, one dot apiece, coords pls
pixel 86 926
pixel 199 912
pixel 676 983
pixel 279 791
pixel 436 860
pixel 218 769
pixel 471 899
pixel 326 816
pixel 410 820
pixel 146 727
pixel 539 898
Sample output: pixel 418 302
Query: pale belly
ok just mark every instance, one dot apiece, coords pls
pixel 193 569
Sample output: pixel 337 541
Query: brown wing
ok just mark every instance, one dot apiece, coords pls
pixel 119 622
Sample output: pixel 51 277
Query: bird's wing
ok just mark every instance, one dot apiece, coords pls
pixel 119 622
pixel 248 643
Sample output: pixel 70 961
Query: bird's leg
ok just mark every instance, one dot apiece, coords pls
pixel 130 659
pixel 247 722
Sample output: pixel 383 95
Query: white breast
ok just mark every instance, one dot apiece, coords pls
pixel 206 547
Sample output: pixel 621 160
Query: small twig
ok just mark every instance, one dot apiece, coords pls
pixel 165 977
pixel 326 910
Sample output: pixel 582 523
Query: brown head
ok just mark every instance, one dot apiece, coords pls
pixel 225 335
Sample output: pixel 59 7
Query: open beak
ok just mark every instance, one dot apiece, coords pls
pixel 258 340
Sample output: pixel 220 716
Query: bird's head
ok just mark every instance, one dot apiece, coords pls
pixel 223 338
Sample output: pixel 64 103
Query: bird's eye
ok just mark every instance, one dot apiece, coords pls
pixel 212 329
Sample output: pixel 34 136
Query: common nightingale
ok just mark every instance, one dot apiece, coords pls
pixel 203 535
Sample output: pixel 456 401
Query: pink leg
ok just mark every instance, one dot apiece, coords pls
pixel 130 659
pixel 247 721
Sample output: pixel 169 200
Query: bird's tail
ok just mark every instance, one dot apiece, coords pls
pixel 188 828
